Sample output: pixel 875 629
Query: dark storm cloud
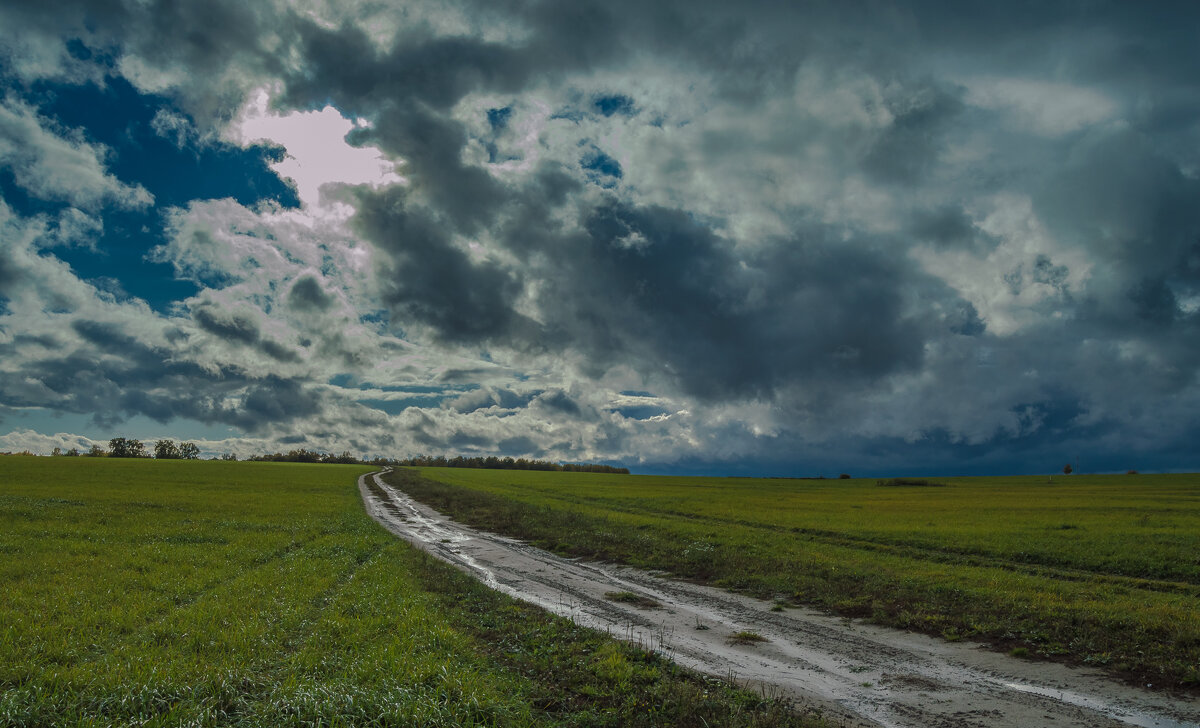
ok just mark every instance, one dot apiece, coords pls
pixel 115 376
pixel 275 400
pixel 465 197
pixel 240 329
pixel 651 285
pixel 519 446
pixel 966 321
pixel 679 304
pixel 432 281
pixel 10 275
pixel 911 144
pixel 308 295
pixel 558 401
pixel 949 227
pixel 407 91
pixel 213 48
pixel 434 71
pixel 488 397
pixel 237 328
pixel 1126 201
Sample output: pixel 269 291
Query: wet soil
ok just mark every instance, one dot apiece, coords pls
pixel 856 673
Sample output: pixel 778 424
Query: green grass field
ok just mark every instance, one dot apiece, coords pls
pixel 1103 570
pixel 156 593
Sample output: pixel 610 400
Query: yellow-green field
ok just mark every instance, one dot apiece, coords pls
pixel 1103 570
pixel 166 593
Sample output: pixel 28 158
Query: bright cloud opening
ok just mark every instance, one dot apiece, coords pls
pixel 317 152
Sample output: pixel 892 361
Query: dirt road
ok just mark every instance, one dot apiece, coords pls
pixel 856 673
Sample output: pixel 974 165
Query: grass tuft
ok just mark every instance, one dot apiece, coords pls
pixel 745 637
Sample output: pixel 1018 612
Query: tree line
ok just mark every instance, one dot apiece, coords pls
pixel 128 447
pixel 492 462
pixel 303 455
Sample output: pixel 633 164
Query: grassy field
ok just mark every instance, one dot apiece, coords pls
pixel 1103 570
pixel 155 593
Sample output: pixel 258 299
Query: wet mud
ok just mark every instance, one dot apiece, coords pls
pixel 856 673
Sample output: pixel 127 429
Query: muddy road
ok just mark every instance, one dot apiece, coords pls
pixel 855 673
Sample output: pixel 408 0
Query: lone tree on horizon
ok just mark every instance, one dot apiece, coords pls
pixel 1067 469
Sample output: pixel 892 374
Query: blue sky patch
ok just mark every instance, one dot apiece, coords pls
pixel 498 118
pixel 640 411
pixel 396 406
pixel 614 104
pixel 602 165
pixel 122 119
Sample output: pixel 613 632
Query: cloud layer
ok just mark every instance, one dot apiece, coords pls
pixel 786 237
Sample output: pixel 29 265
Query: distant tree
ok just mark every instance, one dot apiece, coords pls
pixel 96 452
pixel 72 453
pixel 57 452
pixel 845 476
pixel 188 451
pixel 166 450
pixel 120 447
pixel 1067 469
pixel 229 456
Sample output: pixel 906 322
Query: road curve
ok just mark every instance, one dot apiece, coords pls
pixel 857 674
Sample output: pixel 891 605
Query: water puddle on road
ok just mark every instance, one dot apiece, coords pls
pixel 855 673
pixel 1104 707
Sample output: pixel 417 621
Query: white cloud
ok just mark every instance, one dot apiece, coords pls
pixel 1003 283
pixel 39 444
pixel 78 228
pixel 1045 107
pixel 173 126
pixel 57 165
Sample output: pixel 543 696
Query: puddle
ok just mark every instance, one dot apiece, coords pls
pixel 1103 707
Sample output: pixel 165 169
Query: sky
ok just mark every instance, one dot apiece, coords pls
pixel 758 238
